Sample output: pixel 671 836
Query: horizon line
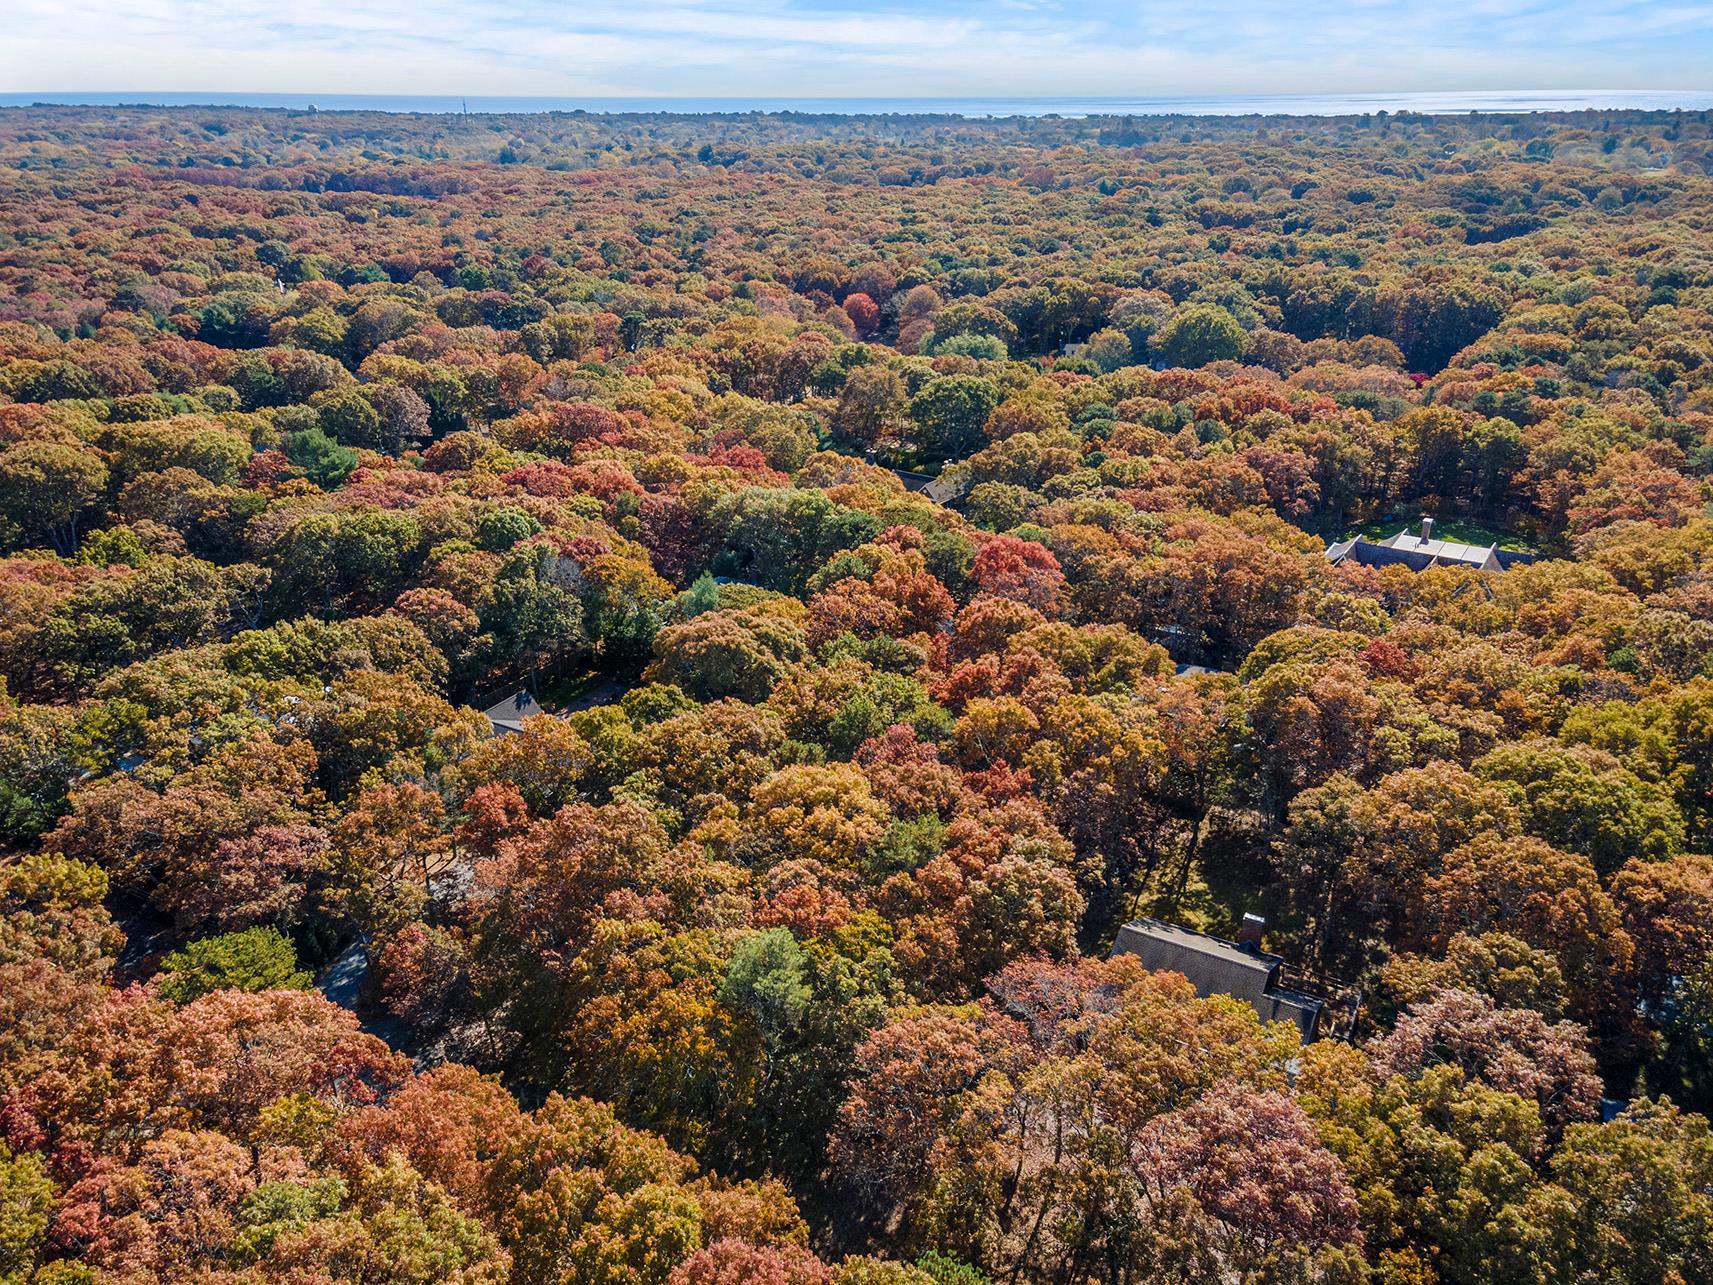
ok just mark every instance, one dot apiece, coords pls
pixel 1321 105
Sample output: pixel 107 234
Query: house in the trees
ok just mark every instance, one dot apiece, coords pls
pixel 1419 551
pixel 946 488
pixel 1215 966
pixel 508 715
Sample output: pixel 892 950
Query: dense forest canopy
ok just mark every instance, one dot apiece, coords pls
pixel 777 948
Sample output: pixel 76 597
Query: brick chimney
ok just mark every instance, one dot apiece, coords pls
pixel 1249 933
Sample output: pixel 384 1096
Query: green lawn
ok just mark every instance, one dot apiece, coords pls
pixel 1455 529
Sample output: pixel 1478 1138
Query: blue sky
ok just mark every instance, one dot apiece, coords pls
pixel 839 48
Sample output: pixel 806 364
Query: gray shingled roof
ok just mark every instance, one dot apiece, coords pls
pixel 913 481
pixel 1410 550
pixel 1215 966
pixel 944 489
pixel 508 715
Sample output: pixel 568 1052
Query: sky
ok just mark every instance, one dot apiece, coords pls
pixel 852 48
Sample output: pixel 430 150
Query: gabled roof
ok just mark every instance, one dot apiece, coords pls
pixel 1367 554
pixel 508 715
pixel 1215 966
pixel 1410 550
pixel 944 490
pixel 940 488
pixel 913 481
pixel 1445 552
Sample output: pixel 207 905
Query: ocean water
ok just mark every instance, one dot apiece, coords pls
pixel 1206 105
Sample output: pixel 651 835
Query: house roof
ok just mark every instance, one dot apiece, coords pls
pixel 1368 554
pixel 1215 966
pixel 940 488
pixel 913 481
pixel 508 715
pixel 944 490
pixel 1409 549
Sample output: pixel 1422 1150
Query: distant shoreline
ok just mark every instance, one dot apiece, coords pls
pixel 974 108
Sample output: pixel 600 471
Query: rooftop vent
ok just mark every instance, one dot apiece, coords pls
pixel 1427 530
